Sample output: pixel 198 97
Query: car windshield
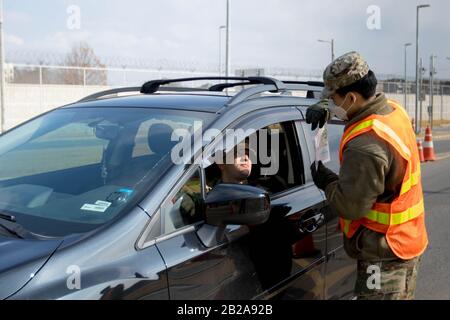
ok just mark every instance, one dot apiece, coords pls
pixel 73 170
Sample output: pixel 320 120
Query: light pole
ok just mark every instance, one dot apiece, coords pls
pixel 406 79
pixel 431 86
pixel 220 49
pixel 331 42
pixel 421 74
pixel 2 72
pixel 442 97
pixel 417 63
pixel 227 53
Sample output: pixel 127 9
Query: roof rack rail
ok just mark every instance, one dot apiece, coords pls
pixel 105 93
pixel 153 86
pixel 309 83
pixel 222 86
pixel 101 94
pixel 265 84
pixel 310 87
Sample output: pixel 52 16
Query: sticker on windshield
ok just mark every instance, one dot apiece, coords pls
pixel 103 203
pixel 99 206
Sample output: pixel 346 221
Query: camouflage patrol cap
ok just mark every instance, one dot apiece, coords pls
pixel 343 72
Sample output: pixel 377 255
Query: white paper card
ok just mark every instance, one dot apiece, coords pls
pixel 322 146
pixel 103 203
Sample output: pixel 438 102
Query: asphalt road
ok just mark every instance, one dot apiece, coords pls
pixel 442 146
pixel 434 275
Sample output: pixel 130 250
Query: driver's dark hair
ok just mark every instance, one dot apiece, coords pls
pixel 366 87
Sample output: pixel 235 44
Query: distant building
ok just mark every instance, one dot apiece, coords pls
pixel 255 72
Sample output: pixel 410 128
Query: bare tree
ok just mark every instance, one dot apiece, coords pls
pixel 83 56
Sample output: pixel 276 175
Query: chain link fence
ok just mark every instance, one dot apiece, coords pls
pixel 441 99
pixel 33 89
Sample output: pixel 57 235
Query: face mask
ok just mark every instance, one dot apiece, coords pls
pixel 338 111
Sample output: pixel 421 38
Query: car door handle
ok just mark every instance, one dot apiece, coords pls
pixel 311 224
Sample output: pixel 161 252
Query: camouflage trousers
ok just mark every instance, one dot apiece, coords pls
pixel 387 280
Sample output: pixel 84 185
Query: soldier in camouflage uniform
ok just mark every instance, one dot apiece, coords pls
pixel 397 279
pixel 372 171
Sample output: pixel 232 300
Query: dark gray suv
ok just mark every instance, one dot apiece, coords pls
pixel 93 205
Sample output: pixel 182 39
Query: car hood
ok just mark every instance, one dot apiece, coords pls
pixel 20 260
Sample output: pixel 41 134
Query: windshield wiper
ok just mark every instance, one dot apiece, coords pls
pixel 7 217
pixel 12 231
pixel 13 227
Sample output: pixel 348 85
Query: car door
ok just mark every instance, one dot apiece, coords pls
pixel 340 269
pixel 300 207
pixel 283 258
pixel 288 251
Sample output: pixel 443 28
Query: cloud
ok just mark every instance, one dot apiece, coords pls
pixel 264 33
pixel 19 17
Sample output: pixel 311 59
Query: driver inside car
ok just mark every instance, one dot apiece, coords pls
pixel 236 172
pixel 240 169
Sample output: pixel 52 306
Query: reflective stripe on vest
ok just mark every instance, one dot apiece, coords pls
pixel 390 219
pixel 414 180
pixel 374 123
pixel 346 226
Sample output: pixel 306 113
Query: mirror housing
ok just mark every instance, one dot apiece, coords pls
pixel 237 204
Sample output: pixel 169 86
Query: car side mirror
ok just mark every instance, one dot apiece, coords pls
pixel 237 204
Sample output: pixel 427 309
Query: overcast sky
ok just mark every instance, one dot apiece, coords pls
pixel 264 33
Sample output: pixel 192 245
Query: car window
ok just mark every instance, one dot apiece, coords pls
pixel 185 207
pixel 82 148
pixel 72 170
pixel 288 171
pixel 278 166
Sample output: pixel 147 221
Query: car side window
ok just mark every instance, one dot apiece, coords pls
pixel 185 207
pixel 286 161
pixel 278 166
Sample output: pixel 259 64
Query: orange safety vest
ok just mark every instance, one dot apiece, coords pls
pixel 402 220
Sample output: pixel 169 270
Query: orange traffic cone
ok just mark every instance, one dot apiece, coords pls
pixel 428 147
pixel 419 146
